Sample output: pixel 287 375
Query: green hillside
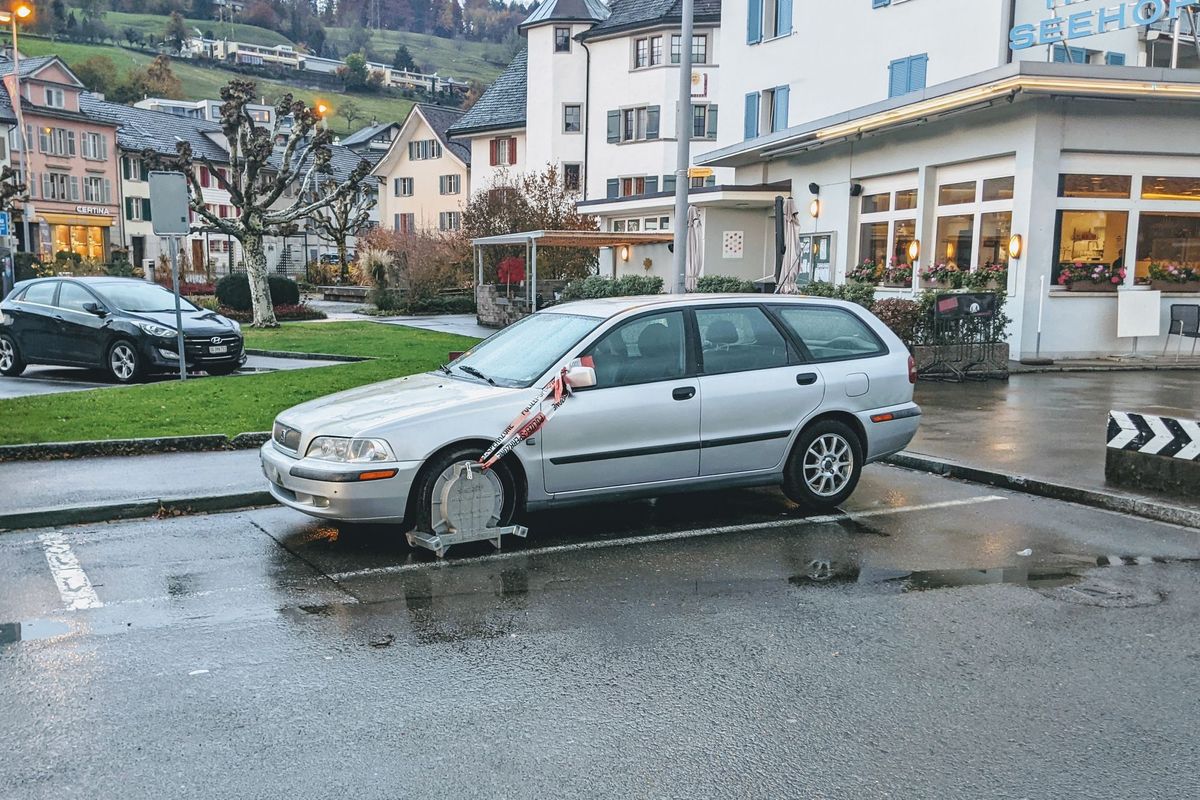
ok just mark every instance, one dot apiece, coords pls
pixel 205 82
pixel 453 58
pixel 156 23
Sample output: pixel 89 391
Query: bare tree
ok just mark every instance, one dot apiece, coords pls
pixel 343 218
pixel 259 177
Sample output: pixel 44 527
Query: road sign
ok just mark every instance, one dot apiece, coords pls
pixel 700 172
pixel 5 223
pixel 168 203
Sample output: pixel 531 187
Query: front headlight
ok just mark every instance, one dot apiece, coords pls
pixel 357 451
pixel 156 330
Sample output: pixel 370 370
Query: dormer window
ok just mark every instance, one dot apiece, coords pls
pixel 562 40
pixel 55 98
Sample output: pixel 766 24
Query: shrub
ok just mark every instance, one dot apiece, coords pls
pixel 595 286
pixel 861 293
pixel 723 284
pixel 904 317
pixel 234 291
pixel 27 266
pixel 291 312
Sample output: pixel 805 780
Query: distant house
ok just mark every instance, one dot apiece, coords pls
pixel 372 141
pixel 495 126
pixel 210 110
pixel 425 173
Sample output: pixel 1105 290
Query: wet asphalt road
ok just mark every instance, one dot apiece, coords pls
pixel 715 646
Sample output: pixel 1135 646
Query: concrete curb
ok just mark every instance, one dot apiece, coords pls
pixel 305 356
pixel 1123 504
pixel 112 512
pixel 49 451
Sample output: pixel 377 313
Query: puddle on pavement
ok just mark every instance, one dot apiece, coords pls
pixel 824 573
pixel 30 630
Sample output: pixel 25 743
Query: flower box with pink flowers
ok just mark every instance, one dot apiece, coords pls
pixel 1080 277
pixel 1174 277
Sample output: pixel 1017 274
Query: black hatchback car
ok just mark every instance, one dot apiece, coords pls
pixel 122 325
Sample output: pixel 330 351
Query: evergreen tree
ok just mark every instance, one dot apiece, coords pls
pixel 403 59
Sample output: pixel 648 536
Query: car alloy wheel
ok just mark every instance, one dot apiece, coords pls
pixel 8 356
pixel 122 361
pixel 828 465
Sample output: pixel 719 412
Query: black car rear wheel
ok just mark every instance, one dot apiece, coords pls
pixel 11 364
pixel 124 363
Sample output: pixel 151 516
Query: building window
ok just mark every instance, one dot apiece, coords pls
pixel 562 40
pixel 888 226
pixel 1114 59
pixel 955 240
pixel 133 169
pixel 424 150
pixel 632 187
pixel 572 177
pixel 1070 55
pixel 572 118
pixel 907 75
pixel 1167 240
pixel 503 151
pixel 449 184
pixel 874 203
pixel 404 223
pixel 402 187
pixel 94 146
pixel 998 189
pixel 56 98
pixel 699 48
pixel 1159 188
pixel 656 51
pixel 1113 187
pixel 704 121
pixel 1091 238
pixel 768 18
pixel 56 142
pixel 641 53
pixel 633 124
pixel 766 111
pixel 953 194
pixel 97 190
pixel 60 186
pixel 449 221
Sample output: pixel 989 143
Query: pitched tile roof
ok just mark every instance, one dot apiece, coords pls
pixel 567 11
pixel 502 105
pixel 631 14
pixel 365 135
pixel 441 119
pixel 28 65
pixel 159 131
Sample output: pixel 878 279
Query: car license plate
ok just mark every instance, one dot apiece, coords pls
pixel 219 348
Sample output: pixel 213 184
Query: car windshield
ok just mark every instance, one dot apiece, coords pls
pixel 142 297
pixel 522 352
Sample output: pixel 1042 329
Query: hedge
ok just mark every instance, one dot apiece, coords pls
pixel 234 291
pixel 625 286
pixel 723 284
pixel 283 313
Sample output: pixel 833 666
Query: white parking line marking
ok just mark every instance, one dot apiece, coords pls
pixel 662 537
pixel 74 587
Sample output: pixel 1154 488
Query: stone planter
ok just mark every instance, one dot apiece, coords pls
pixel 894 285
pixel 1172 286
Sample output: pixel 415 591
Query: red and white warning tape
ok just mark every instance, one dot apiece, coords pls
pixel 532 418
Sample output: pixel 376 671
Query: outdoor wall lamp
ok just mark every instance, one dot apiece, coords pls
pixel 914 250
pixel 814 208
pixel 624 252
pixel 1015 246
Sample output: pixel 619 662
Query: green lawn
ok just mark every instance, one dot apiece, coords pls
pixel 229 405
pixel 200 83
pixel 452 58
pixel 156 24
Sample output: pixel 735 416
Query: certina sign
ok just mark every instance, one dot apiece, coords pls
pixel 1138 13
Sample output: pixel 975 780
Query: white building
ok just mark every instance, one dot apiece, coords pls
pixel 425 175
pixel 947 129
pixel 209 110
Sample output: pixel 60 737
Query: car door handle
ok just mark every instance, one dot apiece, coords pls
pixel 806 378
pixel 684 393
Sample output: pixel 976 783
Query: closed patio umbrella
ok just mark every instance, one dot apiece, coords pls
pixel 789 272
pixel 695 249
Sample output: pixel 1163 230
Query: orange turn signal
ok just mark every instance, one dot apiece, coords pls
pixel 883 418
pixel 377 475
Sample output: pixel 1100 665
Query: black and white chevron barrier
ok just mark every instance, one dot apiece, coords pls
pixel 1153 435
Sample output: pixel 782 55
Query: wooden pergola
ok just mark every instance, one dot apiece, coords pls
pixel 532 240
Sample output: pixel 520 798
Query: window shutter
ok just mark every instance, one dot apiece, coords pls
pixel 712 121
pixel 107 190
pixel 651 184
pixel 1115 59
pixel 711 180
pixel 898 77
pixel 783 18
pixel 754 22
pixel 614 126
pixel 146 210
pixel 652 114
pixel 918 68
pixel 74 188
pixel 395 187
pixel 103 147
pixel 512 150
pixel 396 222
pixel 880 3
pixel 494 152
pixel 71 143
pixel 612 188
pixel 668 183
pixel 128 208
pixel 750 128
pixel 46 185
pixel 125 168
pixel 780 120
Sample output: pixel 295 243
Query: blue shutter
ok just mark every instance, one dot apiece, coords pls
pixel 710 181
pixel 1070 55
pixel 780 119
pixel 1115 59
pixel 751 124
pixel 652 122
pixel 614 126
pixel 783 18
pixel 651 184
pixel 898 77
pixel 712 121
pixel 668 183
pixel 918 68
pixel 880 3
pixel 612 187
pixel 754 22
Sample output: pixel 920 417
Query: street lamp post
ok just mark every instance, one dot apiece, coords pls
pixel 683 140
pixel 20 11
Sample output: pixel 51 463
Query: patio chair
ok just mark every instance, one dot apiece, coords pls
pixel 1185 323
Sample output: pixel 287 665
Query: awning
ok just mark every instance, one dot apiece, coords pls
pixel 575 238
pixel 96 221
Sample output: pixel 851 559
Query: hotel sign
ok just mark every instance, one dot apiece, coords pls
pixel 99 211
pixel 1130 14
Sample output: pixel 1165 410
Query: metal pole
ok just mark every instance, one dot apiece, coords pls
pixel 26 207
pixel 1176 27
pixel 1041 308
pixel 683 146
pixel 174 246
pixel 533 275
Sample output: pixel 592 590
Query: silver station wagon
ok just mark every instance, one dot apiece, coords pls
pixel 667 394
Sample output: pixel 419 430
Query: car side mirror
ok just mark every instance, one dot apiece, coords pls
pixel 581 377
pixel 94 308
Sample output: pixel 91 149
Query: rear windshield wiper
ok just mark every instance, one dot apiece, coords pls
pixel 476 373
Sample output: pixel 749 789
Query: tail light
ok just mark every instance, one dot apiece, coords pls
pixel 912 370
